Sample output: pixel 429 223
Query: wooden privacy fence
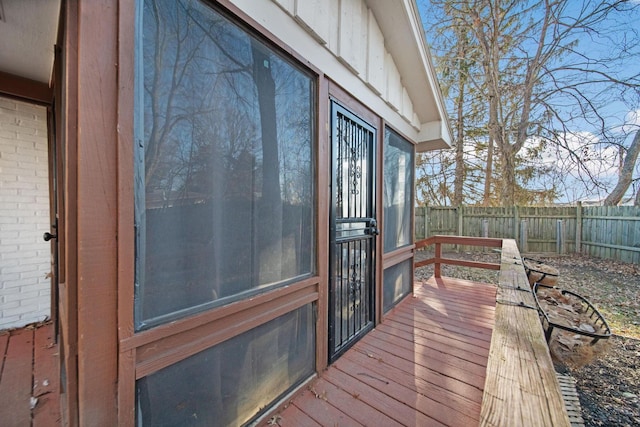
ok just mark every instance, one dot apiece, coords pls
pixel 599 231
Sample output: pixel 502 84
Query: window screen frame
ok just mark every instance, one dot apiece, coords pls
pixel 388 131
pixel 295 62
pixel 143 352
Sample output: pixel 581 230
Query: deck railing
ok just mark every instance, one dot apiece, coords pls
pixel 437 259
pixel 521 387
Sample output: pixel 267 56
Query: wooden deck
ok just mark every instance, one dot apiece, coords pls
pixel 424 365
pixel 29 379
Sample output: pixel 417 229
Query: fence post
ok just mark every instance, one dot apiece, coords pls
pixel 436 266
pixel 524 235
pixel 560 238
pixel 516 223
pixel 579 228
pixel 485 231
pixel 427 221
pixel 460 226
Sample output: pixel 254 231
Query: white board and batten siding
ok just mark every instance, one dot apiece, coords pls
pixel 345 41
pixel 25 258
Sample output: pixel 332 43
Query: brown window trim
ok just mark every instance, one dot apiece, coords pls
pixel 25 89
pixel 137 357
pixel 128 339
pixel 167 344
pixel 397 256
pixel 347 100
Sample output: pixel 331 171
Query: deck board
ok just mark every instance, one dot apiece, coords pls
pixel 326 413
pixel 347 404
pixel 46 381
pixel 443 398
pixel 29 369
pixel 392 407
pixel 430 376
pixel 425 364
pixel 15 383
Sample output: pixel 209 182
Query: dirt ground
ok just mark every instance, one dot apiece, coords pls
pixel 608 387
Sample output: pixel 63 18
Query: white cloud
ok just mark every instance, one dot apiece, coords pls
pixel 583 153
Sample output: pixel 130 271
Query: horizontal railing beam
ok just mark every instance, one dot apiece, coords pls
pixel 460 240
pixel 439 240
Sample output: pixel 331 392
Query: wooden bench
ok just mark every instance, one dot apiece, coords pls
pixel 521 388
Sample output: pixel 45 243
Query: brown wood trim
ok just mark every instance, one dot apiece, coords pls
pixel 352 104
pixel 25 89
pixel 164 352
pixel 392 258
pixel 460 240
pixel 192 322
pixel 461 262
pixel 52 165
pixel 424 262
pixel 126 388
pixel 97 205
pixel 68 186
pixel 59 114
pixel 323 199
pixel 413 214
pixel 379 213
pixel 126 230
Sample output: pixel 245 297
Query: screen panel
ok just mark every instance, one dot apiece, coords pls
pixel 224 163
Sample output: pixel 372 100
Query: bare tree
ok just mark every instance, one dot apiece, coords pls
pixel 625 176
pixel 536 80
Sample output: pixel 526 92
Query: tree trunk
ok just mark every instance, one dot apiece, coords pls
pixel 508 181
pixel 486 197
pixel 626 173
pixel 460 166
pixel 269 227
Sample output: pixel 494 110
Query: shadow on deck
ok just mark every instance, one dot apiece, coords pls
pixel 455 353
pixel 425 364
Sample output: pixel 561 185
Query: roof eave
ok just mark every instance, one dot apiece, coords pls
pixel 414 62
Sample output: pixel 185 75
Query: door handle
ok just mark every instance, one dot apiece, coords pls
pixel 373 228
pixel 48 236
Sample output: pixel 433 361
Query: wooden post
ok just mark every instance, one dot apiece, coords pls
pixel 438 255
pixel 96 178
pixel 578 228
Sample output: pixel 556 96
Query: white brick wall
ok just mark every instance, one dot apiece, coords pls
pixel 25 258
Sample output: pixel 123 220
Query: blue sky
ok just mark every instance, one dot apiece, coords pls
pixel 623 118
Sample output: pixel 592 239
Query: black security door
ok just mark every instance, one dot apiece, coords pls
pixel 353 230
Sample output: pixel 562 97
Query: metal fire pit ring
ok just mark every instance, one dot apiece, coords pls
pixel 589 309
